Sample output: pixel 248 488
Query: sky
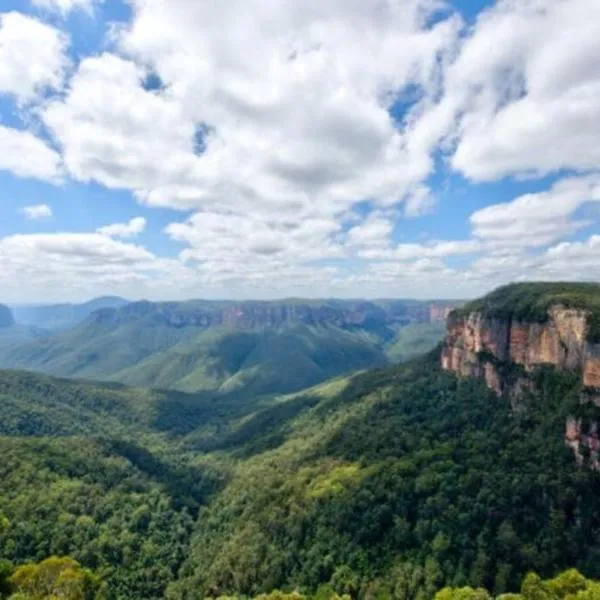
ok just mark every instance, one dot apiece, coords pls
pixel 171 149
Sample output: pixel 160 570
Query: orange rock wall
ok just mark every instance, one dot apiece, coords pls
pixel 561 341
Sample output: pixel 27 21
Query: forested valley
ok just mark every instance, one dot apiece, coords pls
pixel 388 484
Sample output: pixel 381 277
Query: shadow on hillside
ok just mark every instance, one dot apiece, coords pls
pixel 266 429
pixel 188 486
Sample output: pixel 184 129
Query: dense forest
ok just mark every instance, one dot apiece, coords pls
pixel 388 484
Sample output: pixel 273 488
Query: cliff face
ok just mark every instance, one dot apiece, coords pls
pixel 561 341
pixel 258 315
pixel 478 346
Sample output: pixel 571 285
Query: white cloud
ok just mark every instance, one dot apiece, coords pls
pixel 273 125
pixel 373 232
pixel 535 220
pixel 114 132
pixel 32 56
pixel 124 230
pixel 573 260
pixel 26 155
pixel 295 111
pixel 524 90
pixel 65 6
pixel 38 211
pixel 230 247
pixel 58 266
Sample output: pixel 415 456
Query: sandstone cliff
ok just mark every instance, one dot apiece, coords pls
pixel 475 343
pixel 505 336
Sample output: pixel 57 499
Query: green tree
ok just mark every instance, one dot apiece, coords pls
pixel 54 578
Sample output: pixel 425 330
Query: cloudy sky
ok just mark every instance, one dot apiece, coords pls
pixel 269 148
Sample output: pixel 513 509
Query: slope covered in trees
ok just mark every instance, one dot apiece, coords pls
pixel 387 484
pixel 407 478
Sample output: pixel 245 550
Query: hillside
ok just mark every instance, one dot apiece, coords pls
pixel 389 483
pixel 403 478
pixel 406 477
pixel 254 347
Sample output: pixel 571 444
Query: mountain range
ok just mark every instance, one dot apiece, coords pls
pixel 245 347
pixel 386 483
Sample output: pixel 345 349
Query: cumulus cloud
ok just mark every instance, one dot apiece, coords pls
pixel 535 220
pixel 37 211
pixel 26 155
pixel 523 91
pixel 271 126
pixel 124 230
pixel 573 260
pixel 56 266
pixel 32 56
pixel 288 118
pixel 114 132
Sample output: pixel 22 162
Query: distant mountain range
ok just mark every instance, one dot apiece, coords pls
pixel 226 346
pixel 62 316
pixel 6 317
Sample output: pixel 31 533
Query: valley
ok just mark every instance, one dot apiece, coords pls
pixel 226 347
pixel 392 482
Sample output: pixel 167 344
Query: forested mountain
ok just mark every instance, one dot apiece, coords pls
pixel 252 347
pixel 390 483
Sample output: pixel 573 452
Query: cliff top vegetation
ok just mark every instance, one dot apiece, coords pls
pixel 531 302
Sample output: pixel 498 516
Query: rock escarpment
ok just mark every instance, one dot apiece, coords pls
pixel 475 343
pixel 250 315
pixel 507 336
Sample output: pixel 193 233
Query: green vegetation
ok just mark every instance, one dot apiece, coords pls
pixel 406 480
pixel 531 301
pixel 55 578
pixel 569 585
pixel 413 340
pixel 386 484
pixel 256 362
pixel 255 348
pixel 194 359
pixel 118 510
pixel 383 484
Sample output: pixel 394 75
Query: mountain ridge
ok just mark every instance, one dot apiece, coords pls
pixel 254 347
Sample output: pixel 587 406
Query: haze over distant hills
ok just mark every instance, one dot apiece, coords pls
pixel 6 317
pixel 61 316
pixel 227 346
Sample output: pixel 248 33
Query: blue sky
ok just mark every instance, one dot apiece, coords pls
pixel 260 149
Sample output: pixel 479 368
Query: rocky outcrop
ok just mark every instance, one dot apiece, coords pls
pixel 582 441
pixel 483 347
pixel 475 343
